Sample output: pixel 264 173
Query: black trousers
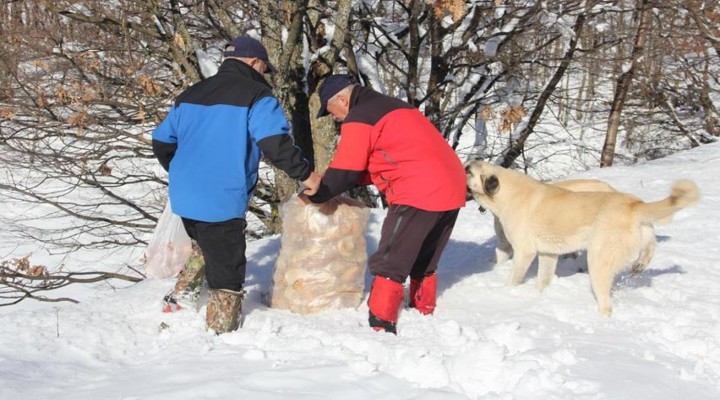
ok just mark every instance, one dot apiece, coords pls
pixel 223 247
pixel 411 242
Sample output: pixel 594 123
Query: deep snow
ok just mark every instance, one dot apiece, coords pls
pixel 486 340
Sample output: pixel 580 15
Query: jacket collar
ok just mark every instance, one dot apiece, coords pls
pixel 233 66
pixel 359 95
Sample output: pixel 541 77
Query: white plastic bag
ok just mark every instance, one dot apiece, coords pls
pixel 321 265
pixel 169 248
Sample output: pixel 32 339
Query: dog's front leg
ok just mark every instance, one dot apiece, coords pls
pixel 503 248
pixel 546 269
pixel 520 264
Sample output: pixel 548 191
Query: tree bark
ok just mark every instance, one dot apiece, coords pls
pixel 324 130
pixel 623 85
pixel 286 81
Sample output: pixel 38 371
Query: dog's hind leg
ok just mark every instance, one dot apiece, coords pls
pixel 647 252
pixel 520 264
pixel 615 243
pixel 503 248
pixel 601 279
pixel 605 260
pixel 546 269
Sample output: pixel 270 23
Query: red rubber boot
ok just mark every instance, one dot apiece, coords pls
pixel 423 293
pixel 384 303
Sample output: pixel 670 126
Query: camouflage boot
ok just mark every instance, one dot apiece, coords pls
pixel 189 283
pixel 224 309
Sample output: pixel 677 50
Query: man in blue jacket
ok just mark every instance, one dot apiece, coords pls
pixel 211 143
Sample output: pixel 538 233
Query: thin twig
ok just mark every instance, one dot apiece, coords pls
pixel 17 286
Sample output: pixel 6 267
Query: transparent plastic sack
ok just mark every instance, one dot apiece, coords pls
pixel 322 258
pixel 169 248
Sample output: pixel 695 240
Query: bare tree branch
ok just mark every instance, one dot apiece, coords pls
pixel 19 281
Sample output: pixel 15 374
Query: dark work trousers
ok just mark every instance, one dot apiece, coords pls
pixel 223 247
pixel 411 242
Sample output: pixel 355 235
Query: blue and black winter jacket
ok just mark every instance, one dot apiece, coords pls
pixel 213 138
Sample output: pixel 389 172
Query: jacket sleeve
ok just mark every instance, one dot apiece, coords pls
pixel 164 140
pixel 282 152
pixel 270 130
pixel 365 180
pixel 349 166
pixel 334 182
pixel 164 152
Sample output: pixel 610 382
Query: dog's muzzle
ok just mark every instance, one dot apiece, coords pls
pixel 469 196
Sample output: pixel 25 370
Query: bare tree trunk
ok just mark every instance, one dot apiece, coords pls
pixel 706 25
pixel 678 124
pixel 10 16
pixel 623 85
pixel 324 130
pixel 225 24
pixel 711 118
pixel 593 71
pixel 580 100
pixel 517 146
pixel 284 55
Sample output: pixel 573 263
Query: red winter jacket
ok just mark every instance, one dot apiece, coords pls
pixel 399 150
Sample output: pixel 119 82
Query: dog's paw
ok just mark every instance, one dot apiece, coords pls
pixel 605 311
pixel 512 281
pixel 540 286
pixel 501 257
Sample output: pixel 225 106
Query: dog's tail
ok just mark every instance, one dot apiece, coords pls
pixel 684 193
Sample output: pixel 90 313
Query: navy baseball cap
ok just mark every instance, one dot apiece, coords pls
pixel 247 47
pixel 330 87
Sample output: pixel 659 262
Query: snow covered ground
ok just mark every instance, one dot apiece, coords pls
pixel 485 341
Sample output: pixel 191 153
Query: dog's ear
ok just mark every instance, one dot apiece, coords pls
pixel 491 185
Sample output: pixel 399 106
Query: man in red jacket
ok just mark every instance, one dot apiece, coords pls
pixel 391 144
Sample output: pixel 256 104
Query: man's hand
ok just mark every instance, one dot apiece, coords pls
pixel 326 208
pixel 312 184
pixel 303 199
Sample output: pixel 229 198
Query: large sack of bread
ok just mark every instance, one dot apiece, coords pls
pixel 321 265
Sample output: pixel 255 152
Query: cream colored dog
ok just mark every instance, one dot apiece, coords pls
pixel 503 249
pixel 542 220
